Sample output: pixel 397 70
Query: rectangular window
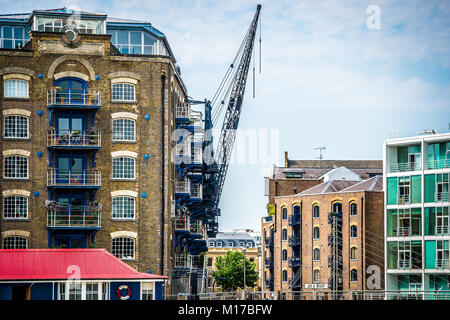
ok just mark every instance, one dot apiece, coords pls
pixel 124 130
pixel 105 287
pixel 15 89
pixel 75 291
pixel 123 168
pixel 15 207
pixel 123 92
pixel 123 208
pixel 15 127
pixel 147 290
pixel 15 243
pixel 123 248
pixel 15 167
pixel 91 291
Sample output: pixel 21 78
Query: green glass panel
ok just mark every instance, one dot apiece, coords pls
pixel 430 254
pixel 392 190
pixel 392 223
pixel 430 221
pixel 416 189
pixel 414 149
pixel 402 154
pixel 430 187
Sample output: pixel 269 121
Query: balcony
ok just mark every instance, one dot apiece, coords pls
pixel 85 98
pixel 196 191
pixel 404 199
pixel 294 241
pixel 404 231
pixel 63 216
pixel 183 187
pixel 442 264
pixel 438 164
pixel 182 224
pixel 442 230
pixel 404 264
pixel 74 139
pixel 441 196
pixel 403 167
pixel 294 262
pixel 294 220
pixel 73 178
pixel 268 262
pixel 182 112
pixel 269 242
pixel 182 261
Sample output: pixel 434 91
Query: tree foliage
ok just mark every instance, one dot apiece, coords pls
pixel 229 272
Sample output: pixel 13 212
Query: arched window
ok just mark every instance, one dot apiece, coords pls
pixel 124 130
pixel 284 213
pixel 15 88
pixel 15 242
pixel 353 253
pixel 15 207
pixel 123 208
pixel 353 231
pixel 123 92
pixel 316 254
pixel 353 209
pixel 285 276
pixel 123 168
pixel 284 255
pixel 124 248
pixel 353 275
pixel 15 167
pixel 15 127
pixel 316 276
pixel 285 234
pixel 316 233
pixel 316 211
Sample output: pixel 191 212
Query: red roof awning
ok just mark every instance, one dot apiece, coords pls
pixel 60 264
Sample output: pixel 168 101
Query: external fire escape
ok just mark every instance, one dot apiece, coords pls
pixel 335 259
pixel 295 262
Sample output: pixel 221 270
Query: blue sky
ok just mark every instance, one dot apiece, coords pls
pixel 327 80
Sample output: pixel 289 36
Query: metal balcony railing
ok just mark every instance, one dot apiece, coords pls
pixel 438 164
pixel 73 178
pixel 404 264
pixel 182 223
pixel 268 241
pixel 83 97
pixel 403 167
pixel 404 231
pixel 197 137
pixel 442 264
pixel 294 241
pixel 182 261
pixel 197 155
pixel 182 187
pixel 74 216
pixel 196 228
pixel 294 220
pixel 196 119
pixel 404 199
pixel 182 111
pixel 294 262
pixel 441 196
pixel 196 190
pixel 73 138
pixel 442 230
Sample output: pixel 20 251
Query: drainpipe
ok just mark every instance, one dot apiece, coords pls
pixel 363 272
pixel 163 207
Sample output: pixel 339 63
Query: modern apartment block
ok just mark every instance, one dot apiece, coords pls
pixel 325 228
pixel 89 104
pixel 416 175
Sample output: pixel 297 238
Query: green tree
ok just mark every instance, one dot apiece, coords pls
pixel 229 272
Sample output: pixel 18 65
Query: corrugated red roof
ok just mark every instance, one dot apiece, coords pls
pixel 55 264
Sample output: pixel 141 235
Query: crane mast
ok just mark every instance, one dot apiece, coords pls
pixel 233 111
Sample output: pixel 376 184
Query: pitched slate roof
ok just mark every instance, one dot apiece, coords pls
pixel 372 184
pixel 329 186
pixel 54 264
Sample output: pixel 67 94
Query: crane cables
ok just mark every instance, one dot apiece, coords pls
pixel 220 100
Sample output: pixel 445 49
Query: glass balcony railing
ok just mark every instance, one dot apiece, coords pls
pixel 404 199
pixel 73 138
pixel 72 97
pixel 73 178
pixel 442 230
pixel 403 231
pixel 441 196
pixel 64 216
pixel 404 264
pixel 442 264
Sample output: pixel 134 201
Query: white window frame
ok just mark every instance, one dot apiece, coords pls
pixel 123 95
pixel 15 177
pixel 15 206
pixel 123 131
pixel 64 289
pixel 134 248
pixel 15 238
pixel 16 116
pixel 230 244
pixel 122 171
pixel 122 217
pixel 149 284
pixel 16 89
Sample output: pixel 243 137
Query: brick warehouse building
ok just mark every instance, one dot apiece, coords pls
pixel 288 230
pixel 86 135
